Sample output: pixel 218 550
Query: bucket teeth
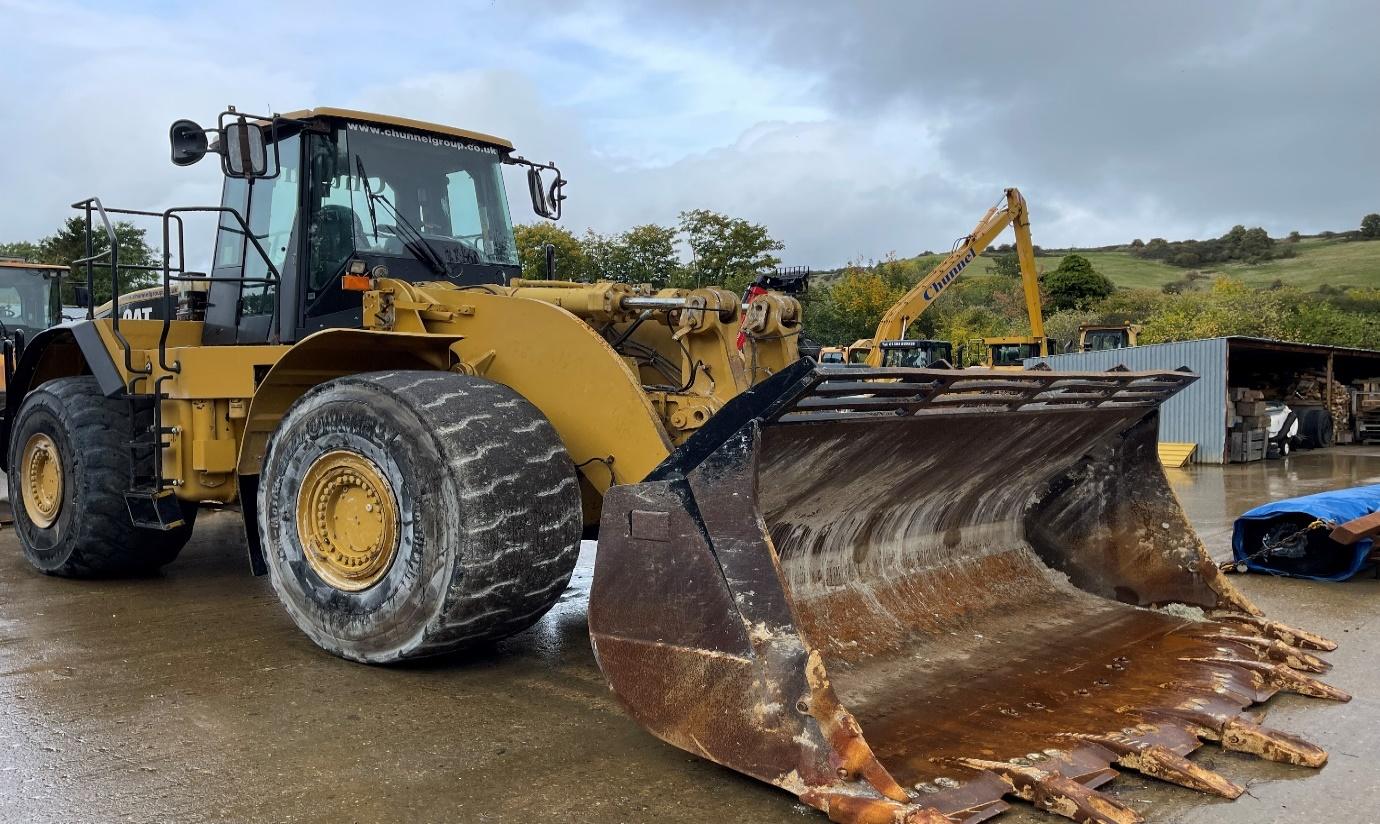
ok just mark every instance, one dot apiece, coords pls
pixel 846 808
pixel 1240 735
pixel 1158 761
pixel 1282 632
pixel 1054 793
pixel 1280 677
pixel 1281 652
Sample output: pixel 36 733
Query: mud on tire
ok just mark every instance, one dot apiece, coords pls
pixel 488 513
pixel 91 534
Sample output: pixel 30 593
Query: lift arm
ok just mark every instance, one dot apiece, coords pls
pixel 899 317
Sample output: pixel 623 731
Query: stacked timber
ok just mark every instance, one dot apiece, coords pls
pixel 1249 425
pixel 1310 389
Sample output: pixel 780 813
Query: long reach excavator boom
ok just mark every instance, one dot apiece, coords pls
pixel 1014 213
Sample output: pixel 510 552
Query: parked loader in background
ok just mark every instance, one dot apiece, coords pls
pixel 418 438
pixel 30 301
pixel 1097 337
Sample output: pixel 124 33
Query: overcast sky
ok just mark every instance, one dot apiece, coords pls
pixel 850 129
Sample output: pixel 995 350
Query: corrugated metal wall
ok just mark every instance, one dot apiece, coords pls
pixel 1199 413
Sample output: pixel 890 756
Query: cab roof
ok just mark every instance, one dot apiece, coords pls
pixel 19 264
pixel 400 122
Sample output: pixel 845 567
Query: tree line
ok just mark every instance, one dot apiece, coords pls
pixel 68 244
pixel 723 251
pixel 705 247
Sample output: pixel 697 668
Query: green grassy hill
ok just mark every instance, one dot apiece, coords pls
pixel 1317 262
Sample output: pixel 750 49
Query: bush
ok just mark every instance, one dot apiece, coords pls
pixel 1075 284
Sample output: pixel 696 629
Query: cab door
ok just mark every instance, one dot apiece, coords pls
pixel 241 310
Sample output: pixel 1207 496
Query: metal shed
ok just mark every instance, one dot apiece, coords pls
pixel 1200 413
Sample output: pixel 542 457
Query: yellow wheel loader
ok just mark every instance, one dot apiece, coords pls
pixel 1012 606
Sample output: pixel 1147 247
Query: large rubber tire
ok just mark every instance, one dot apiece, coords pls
pixel 488 513
pixel 1315 426
pixel 92 535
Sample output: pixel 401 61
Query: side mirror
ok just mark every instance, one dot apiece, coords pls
pixel 546 197
pixel 188 142
pixel 244 153
pixel 81 297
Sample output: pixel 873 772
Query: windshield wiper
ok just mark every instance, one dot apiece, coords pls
pixel 369 195
pixel 413 241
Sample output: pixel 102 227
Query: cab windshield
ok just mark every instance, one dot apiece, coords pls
pixel 28 300
pixel 1013 354
pixel 917 356
pixel 416 195
pixel 1102 339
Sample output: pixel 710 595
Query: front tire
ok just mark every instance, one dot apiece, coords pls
pixel 412 513
pixel 69 467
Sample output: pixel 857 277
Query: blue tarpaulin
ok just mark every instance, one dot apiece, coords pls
pixel 1317 556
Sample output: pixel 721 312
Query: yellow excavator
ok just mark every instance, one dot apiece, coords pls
pixel 999 353
pixel 418 439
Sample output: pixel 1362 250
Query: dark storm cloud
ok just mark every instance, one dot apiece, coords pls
pixel 1191 116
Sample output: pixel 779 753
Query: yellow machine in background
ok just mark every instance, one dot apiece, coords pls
pixel 1001 352
pixel 418 439
pixel 30 301
pixel 1097 337
pixel 858 352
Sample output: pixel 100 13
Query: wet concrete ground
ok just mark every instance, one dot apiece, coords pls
pixel 191 697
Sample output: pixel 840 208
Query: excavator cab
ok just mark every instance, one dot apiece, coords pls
pixel 916 353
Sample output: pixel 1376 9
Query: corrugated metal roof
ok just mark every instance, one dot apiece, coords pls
pixel 1199 413
pixel 1320 348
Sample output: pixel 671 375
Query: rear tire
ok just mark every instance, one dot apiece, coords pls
pixel 1315 426
pixel 477 525
pixel 82 529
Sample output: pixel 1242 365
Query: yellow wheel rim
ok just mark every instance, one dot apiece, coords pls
pixel 41 477
pixel 347 520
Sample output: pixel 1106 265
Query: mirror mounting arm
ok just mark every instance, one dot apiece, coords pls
pixel 546 197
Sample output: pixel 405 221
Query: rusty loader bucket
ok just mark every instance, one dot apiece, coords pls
pixel 916 595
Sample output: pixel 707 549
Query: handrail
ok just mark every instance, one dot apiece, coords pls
pixel 274 277
pixel 171 273
pixel 113 253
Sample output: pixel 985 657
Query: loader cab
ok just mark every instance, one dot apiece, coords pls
pixel 354 193
pixel 916 353
pixel 30 297
pixel 1011 353
pixel 1099 338
pixel 831 356
pixel 858 352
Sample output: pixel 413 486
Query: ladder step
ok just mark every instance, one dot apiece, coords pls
pixel 154 509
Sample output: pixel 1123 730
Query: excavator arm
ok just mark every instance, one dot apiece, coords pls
pixel 1014 213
